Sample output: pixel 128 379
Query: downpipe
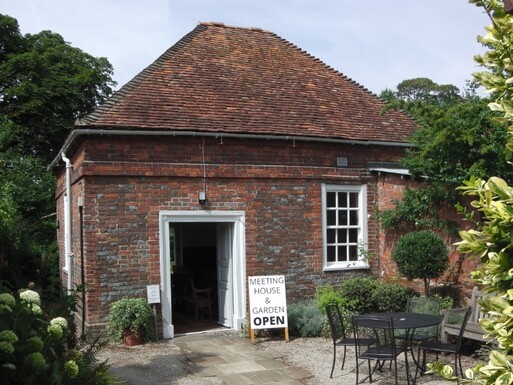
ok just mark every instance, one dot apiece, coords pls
pixel 67 224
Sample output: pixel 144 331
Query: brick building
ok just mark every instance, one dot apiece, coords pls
pixel 234 154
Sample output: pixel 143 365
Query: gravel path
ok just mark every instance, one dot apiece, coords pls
pixel 316 355
pixel 163 363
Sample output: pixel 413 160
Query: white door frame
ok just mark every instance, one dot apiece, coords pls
pixel 238 219
pixel 224 274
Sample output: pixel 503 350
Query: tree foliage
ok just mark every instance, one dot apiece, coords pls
pixel 457 137
pixel 424 89
pixel 45 84
pixel 492 238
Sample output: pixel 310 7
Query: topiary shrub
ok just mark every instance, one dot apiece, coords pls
pixel 305 319
pixel 421 255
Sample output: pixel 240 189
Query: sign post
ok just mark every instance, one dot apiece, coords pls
pixel 153 295
pixel 267 304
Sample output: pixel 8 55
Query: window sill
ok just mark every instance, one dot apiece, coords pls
pixel 347 266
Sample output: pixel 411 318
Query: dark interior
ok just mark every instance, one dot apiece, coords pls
pixel 193 251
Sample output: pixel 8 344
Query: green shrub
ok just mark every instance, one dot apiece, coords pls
pixel 305 319
pixel 446 302
pixel 50 279
pixel 391 297
pixel 358 294
pixel 325 295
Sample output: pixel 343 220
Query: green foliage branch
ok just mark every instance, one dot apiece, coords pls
pixel 492 238
pixel 45 85
pixel 415 210
pixel 456 137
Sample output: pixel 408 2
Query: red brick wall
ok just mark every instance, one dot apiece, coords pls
pixel 390 189
pixel 126 182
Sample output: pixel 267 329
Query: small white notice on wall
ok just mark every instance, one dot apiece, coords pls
pixel 153 293
pixel 268 302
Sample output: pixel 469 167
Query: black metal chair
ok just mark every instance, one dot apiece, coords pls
pixel 386 348
pixel 448 348
pixel 424 305
pixel 339 335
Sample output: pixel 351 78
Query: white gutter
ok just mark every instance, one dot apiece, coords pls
pixel 88 131
pixel 68 251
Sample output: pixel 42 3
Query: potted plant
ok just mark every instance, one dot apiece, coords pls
pixel 130 321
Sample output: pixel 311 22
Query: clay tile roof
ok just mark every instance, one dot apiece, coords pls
pixel 223 79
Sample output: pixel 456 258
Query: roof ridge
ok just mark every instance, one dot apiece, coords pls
pixel 295 46
pixel 223 25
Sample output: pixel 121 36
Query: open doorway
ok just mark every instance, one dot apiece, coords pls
pixel 194 287
pixel 203 252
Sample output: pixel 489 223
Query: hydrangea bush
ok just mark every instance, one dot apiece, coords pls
pixel 35 350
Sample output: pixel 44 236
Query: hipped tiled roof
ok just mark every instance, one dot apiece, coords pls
pixel 232 80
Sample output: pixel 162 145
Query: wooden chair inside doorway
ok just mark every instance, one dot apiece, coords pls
pixel 201 299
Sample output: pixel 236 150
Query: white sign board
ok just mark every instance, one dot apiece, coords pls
pixel 153 293
pixel 268 302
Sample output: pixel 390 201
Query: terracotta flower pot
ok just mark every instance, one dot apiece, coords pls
pixel 132 338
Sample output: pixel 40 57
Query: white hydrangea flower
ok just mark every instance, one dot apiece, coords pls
pixel 7 303
pixel 31 297
pixel 60 321
pixel 55 330
pixel 36 309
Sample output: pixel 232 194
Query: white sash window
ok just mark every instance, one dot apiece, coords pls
pixel 344 227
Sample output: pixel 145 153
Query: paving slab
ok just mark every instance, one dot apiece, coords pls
pixel 234 360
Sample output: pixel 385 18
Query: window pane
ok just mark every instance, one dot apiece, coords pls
pixel 353 253
pixel 331 236
pixel 331 253
pixel 342 199
pixel 330 199
pixel 353 200
pixel 353 235
pixel 342 253
pixel 331 218
pixel 342 218
pixel 342 236
pixel 353 217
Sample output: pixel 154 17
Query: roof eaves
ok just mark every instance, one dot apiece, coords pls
pixel 131 132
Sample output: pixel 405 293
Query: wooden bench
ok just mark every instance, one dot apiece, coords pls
pixel 473 330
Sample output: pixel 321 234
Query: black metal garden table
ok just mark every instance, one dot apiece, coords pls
pixel 408 322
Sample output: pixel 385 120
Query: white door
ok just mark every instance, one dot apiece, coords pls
pixel 224 274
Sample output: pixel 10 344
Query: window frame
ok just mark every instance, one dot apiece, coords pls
pixel 362 262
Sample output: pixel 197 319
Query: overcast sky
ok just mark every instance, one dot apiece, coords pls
pixel 377 43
